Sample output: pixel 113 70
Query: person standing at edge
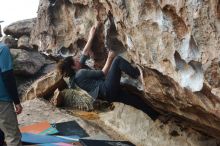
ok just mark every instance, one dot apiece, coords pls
pixel 9 101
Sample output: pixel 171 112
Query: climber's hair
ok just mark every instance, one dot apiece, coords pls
pixel 64 67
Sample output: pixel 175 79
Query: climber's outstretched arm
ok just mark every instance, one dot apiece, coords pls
pixel 87 49
pixel 111 56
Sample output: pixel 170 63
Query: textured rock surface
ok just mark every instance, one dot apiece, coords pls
pixel 45 86
pixel 10 41
pixel 176 42
pixel 23 42
pixel 142 131
pixel 27 63
pixel 200 108
pixel 24 82
pixel 19 28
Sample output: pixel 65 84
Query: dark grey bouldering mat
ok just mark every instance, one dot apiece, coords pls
pixel 70 128
pixel 91 142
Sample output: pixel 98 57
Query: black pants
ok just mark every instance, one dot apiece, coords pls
pixel 136 101
pixel 112 92
pixel 1 138
pixel 110 89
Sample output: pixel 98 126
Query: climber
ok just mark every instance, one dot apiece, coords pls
pixel 9 101
pixel 101 84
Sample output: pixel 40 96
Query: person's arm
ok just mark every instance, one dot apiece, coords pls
pixel 87 49
pixel 9 79
pixel 108 63
pixel 10 84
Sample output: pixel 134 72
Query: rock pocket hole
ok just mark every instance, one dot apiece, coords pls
pixel 63 51
pixel 180 63
pixel 81 43
pixel 35 47
pixel 174 133
pixel 218 9
pixel 67 51
pixel 80 10
pixel 193 49
pixel 189 49
pixel 179 25
pixel 191 74
pixel 111 40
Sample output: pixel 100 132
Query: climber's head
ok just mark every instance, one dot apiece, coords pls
pixel 68 66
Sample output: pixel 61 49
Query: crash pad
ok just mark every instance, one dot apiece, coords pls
pixel 70 128
pixel 55 144
pixel 61 144
pixel 58 144
pixel 43 139
pixel 43 128
pixel 91 142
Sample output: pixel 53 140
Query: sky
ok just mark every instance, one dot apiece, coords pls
pixel 14 10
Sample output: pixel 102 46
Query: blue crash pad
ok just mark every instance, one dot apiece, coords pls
pixel 41 139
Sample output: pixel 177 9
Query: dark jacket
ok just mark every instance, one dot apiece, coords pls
pixel 89 79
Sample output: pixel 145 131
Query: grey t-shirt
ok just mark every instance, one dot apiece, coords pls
pixel 89 79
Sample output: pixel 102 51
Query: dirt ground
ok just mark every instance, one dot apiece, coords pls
pixel 38 110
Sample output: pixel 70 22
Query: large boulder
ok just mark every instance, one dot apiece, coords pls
pixel 45 86
pixel 27 63
pixel 19 28
pixel 176 43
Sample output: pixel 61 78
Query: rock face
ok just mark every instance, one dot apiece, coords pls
pixel 176 42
